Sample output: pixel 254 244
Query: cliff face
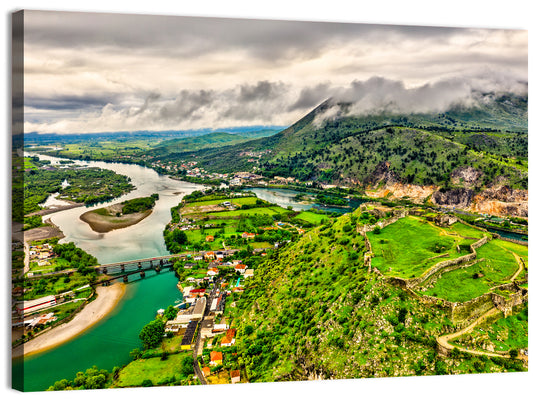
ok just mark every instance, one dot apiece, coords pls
pixel 497 201
pixel 458 197
pixel 501 201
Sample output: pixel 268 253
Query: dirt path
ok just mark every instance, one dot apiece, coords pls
pixel 520 266
pixel 443 340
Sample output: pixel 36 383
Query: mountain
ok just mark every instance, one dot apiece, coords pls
pixel 171 148
pixel 468 148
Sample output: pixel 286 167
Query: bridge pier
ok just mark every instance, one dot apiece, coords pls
pixel 122 268
pixel 139 266
pixel 143 274
pixel 157 269
pixel 125 279
pixel 104 270
pixel 151 264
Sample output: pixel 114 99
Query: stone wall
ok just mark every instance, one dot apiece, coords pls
pixel 519 242
pixel 465 312
pixel 506 304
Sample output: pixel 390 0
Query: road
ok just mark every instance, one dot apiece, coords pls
pixel 197 370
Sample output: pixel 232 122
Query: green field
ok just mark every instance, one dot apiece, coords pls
pixel 409 247
pixel 156 370
pixel 271 210
pixel 311 217
pixel 520 250
pixel 464 284
pixel 467 231
pixel 238 201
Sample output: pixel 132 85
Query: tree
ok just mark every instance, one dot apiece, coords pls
pixel 151 334
pixel 187 366
pixel 170 312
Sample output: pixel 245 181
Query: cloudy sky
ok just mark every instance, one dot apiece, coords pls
pixel 111 72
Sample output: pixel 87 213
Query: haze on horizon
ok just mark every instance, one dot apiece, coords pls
pixel 89 72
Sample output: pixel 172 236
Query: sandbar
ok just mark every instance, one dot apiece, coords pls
pixel 107 298
pixel 104 223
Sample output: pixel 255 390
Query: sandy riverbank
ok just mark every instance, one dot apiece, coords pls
pixel 107 299
pixel 104 223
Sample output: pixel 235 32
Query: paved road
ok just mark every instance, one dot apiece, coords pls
pixel 198 342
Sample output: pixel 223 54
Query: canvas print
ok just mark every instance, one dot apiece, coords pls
pixel 203 201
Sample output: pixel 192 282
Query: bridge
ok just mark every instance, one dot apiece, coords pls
pixel 122 270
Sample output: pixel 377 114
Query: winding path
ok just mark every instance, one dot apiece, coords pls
pixel 443 340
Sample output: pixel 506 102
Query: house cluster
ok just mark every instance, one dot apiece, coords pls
pixel 184 317
pixel 39 320
pixel 41 254
pixel 240 178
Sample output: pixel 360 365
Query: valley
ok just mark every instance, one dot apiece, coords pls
pixel 359 247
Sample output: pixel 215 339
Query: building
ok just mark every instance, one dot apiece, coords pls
pixel 209 255
pixel 212 272
pixel 216 358
pixel 194 313
pixel 248 273
pixel 246 235
pixel 35 305
pixel 206 329
pixel 186 342
pixel 206 371
pixel 240 268
pixel 229 339
pixel 235 376
pixel 209 238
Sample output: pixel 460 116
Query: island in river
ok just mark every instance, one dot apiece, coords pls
pixel 119 216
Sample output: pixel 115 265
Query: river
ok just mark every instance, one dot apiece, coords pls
pixel 284 197
pixel 108 343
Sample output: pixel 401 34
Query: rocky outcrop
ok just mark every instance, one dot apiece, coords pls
pixel 457 197
pixel 467 177
pixel 501 201
pixel 382 174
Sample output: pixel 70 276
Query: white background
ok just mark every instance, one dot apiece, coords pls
pixel 512 14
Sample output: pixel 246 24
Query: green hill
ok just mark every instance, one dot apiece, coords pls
pixel 417 148
pixel 313 311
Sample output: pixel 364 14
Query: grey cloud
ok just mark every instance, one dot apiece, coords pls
pixel 262 91
pixel 187 104
pixel 69 102
pixel 311 96
pixel 379 94
pixel 268 40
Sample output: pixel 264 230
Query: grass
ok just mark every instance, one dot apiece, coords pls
pixel 467 231
pixel 409 247
pixel 238 201
pixel 28 164
pixel 465 284
pixel 311 217
pixel 506 333
pixel 520 250
pixel 153 369
pixel 271 210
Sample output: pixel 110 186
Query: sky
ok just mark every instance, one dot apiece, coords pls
pixel 97 72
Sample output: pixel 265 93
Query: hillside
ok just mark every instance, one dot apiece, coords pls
pixel 420 156
pixel 314 311
pixel 175 147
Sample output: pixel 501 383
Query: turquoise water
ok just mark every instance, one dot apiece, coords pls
pixel 106 344
pixel 285 197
